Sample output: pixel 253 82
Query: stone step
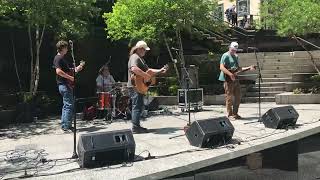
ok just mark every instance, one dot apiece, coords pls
pixel 302 54
pixel 278 75
pixel 256 99
pixel 295 62
pixel 282 80
pixel 270 84
pixel 277 71
pixel 279 57
pixel 299 67
pixel 278 53
pixel 267 89
pixel 276 67
pixel 263 94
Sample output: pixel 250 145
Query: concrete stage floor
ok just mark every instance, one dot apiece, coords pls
pixel 173 155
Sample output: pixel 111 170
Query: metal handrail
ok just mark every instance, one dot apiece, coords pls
pixel 308 42
pixel 224 37
pixel 298 39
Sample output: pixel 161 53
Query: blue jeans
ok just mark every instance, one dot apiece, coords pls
pixel 137 107
pixel 67 108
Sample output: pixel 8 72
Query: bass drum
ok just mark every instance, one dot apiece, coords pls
pixel 104 100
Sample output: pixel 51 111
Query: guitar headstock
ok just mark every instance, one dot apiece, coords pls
pixel 166 67
pixel 82 63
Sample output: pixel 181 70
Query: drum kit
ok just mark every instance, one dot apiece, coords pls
pixel 116 102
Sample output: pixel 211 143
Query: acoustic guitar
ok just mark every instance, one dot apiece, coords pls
pixel 71 73
pixel 236 71
pixel 141 85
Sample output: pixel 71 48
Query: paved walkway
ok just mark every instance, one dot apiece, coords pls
pixel 23 146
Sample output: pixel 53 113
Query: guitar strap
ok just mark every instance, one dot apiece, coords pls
pixel 228 66
pixel 143 63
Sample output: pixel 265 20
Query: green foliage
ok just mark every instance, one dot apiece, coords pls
pixel 315 90
pixel 64 17
pixel 297 91
pixel 315 78
pixel 173 90
pixel 172 84
pixel 25 97
pixel 151 19
pixel 292 17
pixel 312 90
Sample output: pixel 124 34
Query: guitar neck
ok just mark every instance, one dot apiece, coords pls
pixel 238 70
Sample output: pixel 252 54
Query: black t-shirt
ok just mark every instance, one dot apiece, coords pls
pixel 61 63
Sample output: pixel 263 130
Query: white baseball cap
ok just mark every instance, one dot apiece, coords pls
pixel 234 45
pixel 142 44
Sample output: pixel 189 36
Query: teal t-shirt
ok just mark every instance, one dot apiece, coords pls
pixel 230 62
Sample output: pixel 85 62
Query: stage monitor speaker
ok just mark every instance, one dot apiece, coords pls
pixel 210 132
pixel 280 117
pixel 106 148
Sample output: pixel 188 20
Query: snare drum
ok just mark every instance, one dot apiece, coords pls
pixel 104 100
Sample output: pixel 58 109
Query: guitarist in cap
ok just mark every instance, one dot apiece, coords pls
pixel 229 66
pixel 64 78
pixel 138 67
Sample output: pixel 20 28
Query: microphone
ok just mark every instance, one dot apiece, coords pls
pixel 70 42
pixel 253 48
pixel 174 49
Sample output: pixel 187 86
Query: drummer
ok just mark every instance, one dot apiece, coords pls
pixel 105 81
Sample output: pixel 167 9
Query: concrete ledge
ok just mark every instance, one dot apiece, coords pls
pixel 208 100
pixel 301 77
pixel 290 98
pixel 290 86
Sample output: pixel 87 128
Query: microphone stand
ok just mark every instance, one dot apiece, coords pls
pixel 74 155
pixel 259 83
pixel 186 127
pixel 259 86
pixel 187 95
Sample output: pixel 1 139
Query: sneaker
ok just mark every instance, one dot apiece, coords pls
pixel 236 116
pixel 66 130
pixel 71 129
pixel 139 130
pixel 231 118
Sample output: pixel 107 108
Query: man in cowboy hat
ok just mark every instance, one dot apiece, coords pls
pixel 137 66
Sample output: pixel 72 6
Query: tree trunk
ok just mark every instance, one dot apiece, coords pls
pixel 15 62
pixel 37 66
pixel 31 60
pixel 178 34
pixel 174 63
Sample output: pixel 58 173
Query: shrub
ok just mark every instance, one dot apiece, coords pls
pixel 315 78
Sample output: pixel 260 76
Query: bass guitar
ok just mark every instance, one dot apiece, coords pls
pixel 141 85
pixel 236 71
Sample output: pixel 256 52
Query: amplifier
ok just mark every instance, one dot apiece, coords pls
pixel 195 97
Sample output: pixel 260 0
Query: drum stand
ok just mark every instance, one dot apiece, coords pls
pixel 116 111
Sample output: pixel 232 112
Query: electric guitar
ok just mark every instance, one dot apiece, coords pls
pixel 71 84
pixel 141 85
pixel 236 71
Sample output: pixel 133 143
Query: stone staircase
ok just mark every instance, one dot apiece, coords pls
pixel 276 72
